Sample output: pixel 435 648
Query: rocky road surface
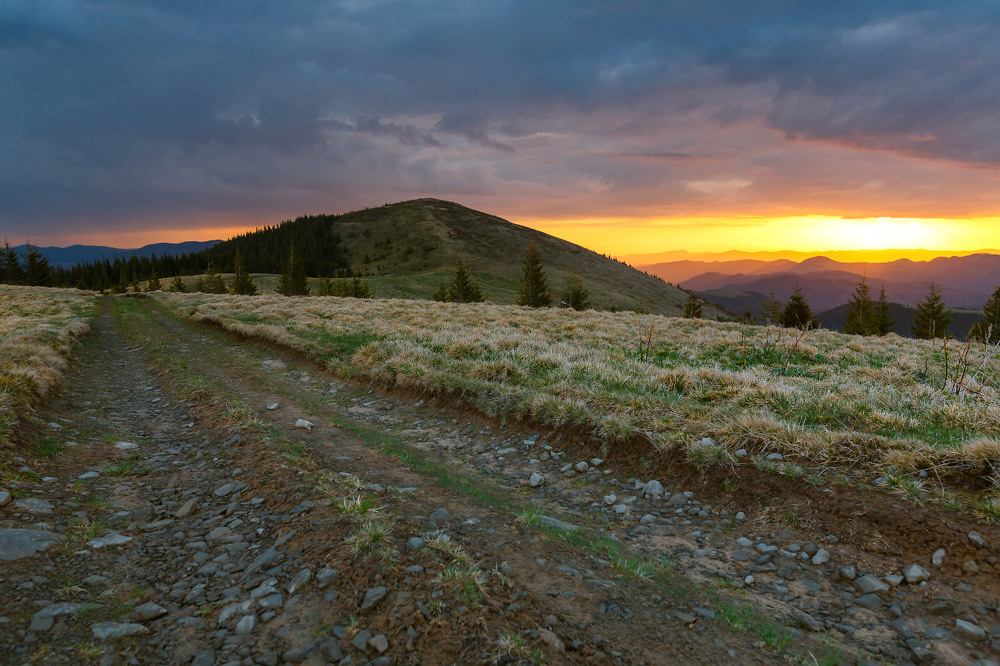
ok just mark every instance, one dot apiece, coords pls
pixel 192 498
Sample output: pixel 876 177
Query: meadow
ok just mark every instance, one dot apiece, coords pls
pixel 887 406
pixel 37 329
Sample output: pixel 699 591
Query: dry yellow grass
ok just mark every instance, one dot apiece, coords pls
pixel 37 326
pixel 838 400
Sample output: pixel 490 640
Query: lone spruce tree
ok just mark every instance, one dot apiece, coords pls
pixel 884 323
pixel 770 310
pixel 861 319
pixel 692 307
pixel 534 291
pixel 293 277
pixel 991 311
pixel 10 265
pixel 37 271
pixel 577 296
pixel 797 313
pixel 154 282
pixel 177 285
pixel 932 317
pixel 464 288
pixel 243 283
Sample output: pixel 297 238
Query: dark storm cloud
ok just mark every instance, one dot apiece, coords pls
pixel 113 110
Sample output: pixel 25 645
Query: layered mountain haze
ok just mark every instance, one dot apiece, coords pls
pixel 741 285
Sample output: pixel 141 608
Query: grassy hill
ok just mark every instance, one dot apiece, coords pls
pixel 406 249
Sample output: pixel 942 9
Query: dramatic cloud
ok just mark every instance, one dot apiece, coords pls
pixel 181 113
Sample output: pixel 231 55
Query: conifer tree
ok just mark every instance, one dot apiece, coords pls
pixel 534 290
pixel 442 291
pixel 293 278
pixel 10 265
pixel 37 271
pixel 212 283
pixel 884 323
pixel 797 313
pixel 577 296
pixel 177 285
pixel 359 288
pixel 770 310
pixel 692 307
pixel 932 317
pixel 991 311
pixel 326 287
pixel 154 282
pixel 861 315
pixel 464 288
pixel 243 283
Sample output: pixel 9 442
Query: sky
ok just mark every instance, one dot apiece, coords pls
pixel 627 126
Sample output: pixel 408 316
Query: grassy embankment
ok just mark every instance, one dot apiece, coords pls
pixel 37 328
pixel 886 406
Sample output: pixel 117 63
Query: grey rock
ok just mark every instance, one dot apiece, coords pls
pixel 938 557
pixel 775 456
pixel 869 584
pixel 973 536
pixel 148 611
pixel 969 632
pixel 225 489
pixel 16 543
pixel 110 539
pixel 581 467
pixel 914 573
pixel 204 658
pixel 186 509
pixel 822 556
pixel 373 596
pixel 440 516
pixel 89 475
pixel 894 579
pixel 33 505
pixel 901 627
pixel 360 640
pixel 536 480
pixel 4 498
pixel 870 601
pixel 303 424
pixel 271 406
pixel 557 524
pixel 300 579
pixel 652 488
pixel 415 543
pixel 325 576
pixel 246 625
pixel 105 630
pixel 379 643
pixel 810 623
pixel 299 654
pixel 126 446
pixel 329 647
pixel 848 572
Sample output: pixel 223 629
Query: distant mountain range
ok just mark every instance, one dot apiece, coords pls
pixel 741 285
pixel 965 282
pixel 64 257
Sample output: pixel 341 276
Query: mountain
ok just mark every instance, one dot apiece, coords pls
pixel 65 257
pixel 406 249
pixel 880 256
pixel 966 281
